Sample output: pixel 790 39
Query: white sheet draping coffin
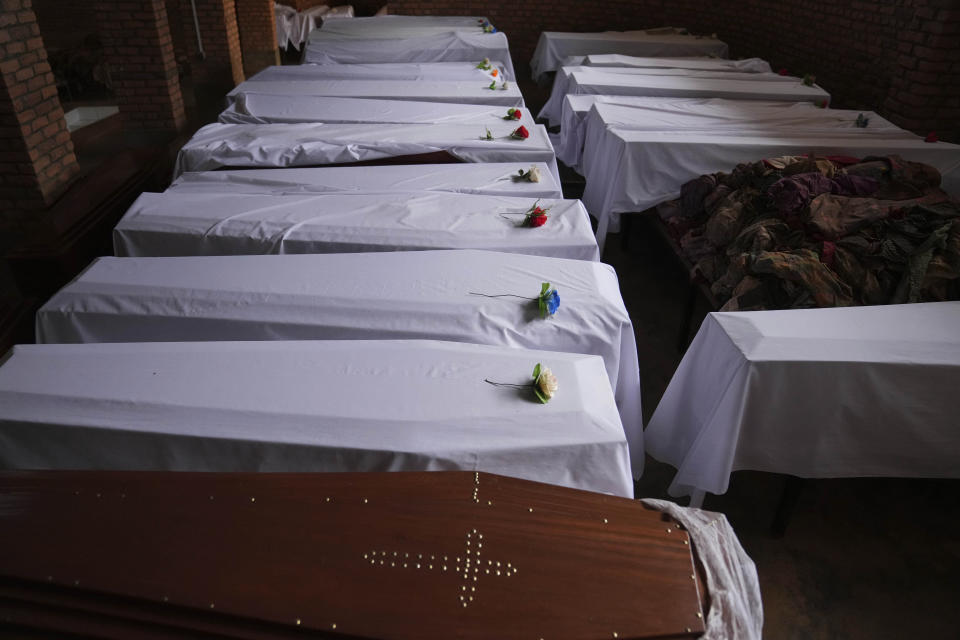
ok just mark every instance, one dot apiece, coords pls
pixel 310 406
pixel 409 71
pixel 443 46
pixel 716 115
pixel 298 145
pixel 394 26
pixel 414 294
pixel 494 179
pixel 679 83
pixel 622 178
pixel 441 91
pixel 183 224
pixel 815 393
pixel 746 65
pixel 268 108
pixel 555 46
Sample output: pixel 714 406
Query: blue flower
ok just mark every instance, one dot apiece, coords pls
pixel 548 301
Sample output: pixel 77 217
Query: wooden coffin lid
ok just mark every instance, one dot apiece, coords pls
pixel 371 555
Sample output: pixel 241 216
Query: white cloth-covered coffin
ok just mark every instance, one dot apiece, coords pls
pixel 496 179
pixel 398 26
pixel 326 47
pixel 268 108
pixel 676 83
pixel 302 145
pixel 404 295
pixel 184 224
pixel 554 46
pixel 462 92
pixel 408 71
pixel 310 406
pixel 747 65
pixel 666 114
pixel 815 393
pixel 635 170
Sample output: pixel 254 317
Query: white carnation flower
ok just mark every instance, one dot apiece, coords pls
pixel 534 174
pixel 547 382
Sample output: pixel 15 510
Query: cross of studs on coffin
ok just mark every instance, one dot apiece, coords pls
pixel 469 566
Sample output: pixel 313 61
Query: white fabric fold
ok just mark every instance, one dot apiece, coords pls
pixel 438 91
pixel 814 393
pixel 409 71
pixel 298 145
pixel 494 179
pixel 418 295
pixel 310 406
pixel 746 65
pixel 182 224
pixel 555 46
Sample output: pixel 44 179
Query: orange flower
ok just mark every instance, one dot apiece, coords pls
pixel 494 73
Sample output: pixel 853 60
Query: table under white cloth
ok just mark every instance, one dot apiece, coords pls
pixel 184 224
pixel 408 71
pixel 310 406
pixel 494 179
pixel 554 46
pixel 462 92
pixel 815 393
pixel 676 83
pixel 443 46
pixel 635 170
pixel 268 108
pixel 747 65
pixel 588 122
pixel 381 296
pixel 301 145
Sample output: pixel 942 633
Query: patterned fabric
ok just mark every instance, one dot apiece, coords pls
pixel 797 232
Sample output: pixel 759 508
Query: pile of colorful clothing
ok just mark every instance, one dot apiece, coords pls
pixel 796 232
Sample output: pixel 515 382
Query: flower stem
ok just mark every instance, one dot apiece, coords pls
pixel 501 295
pixel 506 384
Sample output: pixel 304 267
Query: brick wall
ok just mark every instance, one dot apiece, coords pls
pixel 258 34
pixel 223 62
pixel 36 154
pixel 138 49
pixel 898 57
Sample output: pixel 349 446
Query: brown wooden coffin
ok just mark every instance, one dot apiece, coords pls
pixel 365 555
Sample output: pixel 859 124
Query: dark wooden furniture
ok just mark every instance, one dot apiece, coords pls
pixel 388 555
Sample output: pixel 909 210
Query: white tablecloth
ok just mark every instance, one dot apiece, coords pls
pixel 672 114
pixel 636 170
pixel 299 145
pixel 747 65
pixel 554 46
pixel 408 71
pixel 184 224
pixel 450 46
pixel 464 92
pixel 495 179
pixel 815 393
pixel 310 406
pixel 682 84
pixel 563 83
pixel 267 108
pixel 405 295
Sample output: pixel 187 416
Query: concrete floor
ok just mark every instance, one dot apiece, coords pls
pixel 861 558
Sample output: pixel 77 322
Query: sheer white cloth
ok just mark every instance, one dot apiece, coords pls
pixel 494 179
pixel 184 224
pixel 412 294
pixel 311 406
pixel 814 393
pixel 736 609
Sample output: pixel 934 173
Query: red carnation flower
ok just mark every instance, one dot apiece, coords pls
pixel 783 71
pixel 537 220
pixel 931 137
pixel 516 114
